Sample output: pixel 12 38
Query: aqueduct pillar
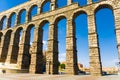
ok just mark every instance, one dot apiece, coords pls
pixel 52 53
pixel 1 48
pixel 117 24
pixel 71 52
pixel 12 49
pixel 37 52
pixel 5 45
pixel 24 51
pixel 94 53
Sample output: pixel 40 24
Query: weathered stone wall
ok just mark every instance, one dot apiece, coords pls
pixel 22 53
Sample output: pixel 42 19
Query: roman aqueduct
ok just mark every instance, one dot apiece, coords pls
pixel 14 51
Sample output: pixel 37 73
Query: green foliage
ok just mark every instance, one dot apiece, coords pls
pixel 62 66
pixel 59 63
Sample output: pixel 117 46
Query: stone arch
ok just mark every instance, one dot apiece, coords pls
pixel 6 44
pixel 28 29
pixel 26 54
pixel 16 42
pixel 20 16
pixel 58 37
pixel 32 6
pixel 21 11
pixel 53 47
pixel 38 62
pixel 3 22
pixel 42 23
pixel 11 22
pixel 44 3
pixel 103 6
pixel 30 26
pixel 59 17
pixel 30 11
pixel 110 31
pixel 41 39
pixel 78 13
pixel 80 28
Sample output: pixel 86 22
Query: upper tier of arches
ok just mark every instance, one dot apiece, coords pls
pixel 13 17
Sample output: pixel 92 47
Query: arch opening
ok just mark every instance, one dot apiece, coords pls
pixel 60 25
pixel 22 16
pixel 45 31
pixel 29 38
pixel 17 40
pixel 6 44
pixel 12 20
pixel 45 7
pixel 3 23
pixel 33 12
pixel 81 28
pixel 107 38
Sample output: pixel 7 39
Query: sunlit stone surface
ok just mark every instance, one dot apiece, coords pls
pixel 25 57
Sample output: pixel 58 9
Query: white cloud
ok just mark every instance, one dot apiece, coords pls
pixel 44 45
pixel 110 63
pixel 115 60
pixel 62 57
pixel 44 42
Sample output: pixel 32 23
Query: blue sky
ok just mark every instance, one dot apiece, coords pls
pixel 105 27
